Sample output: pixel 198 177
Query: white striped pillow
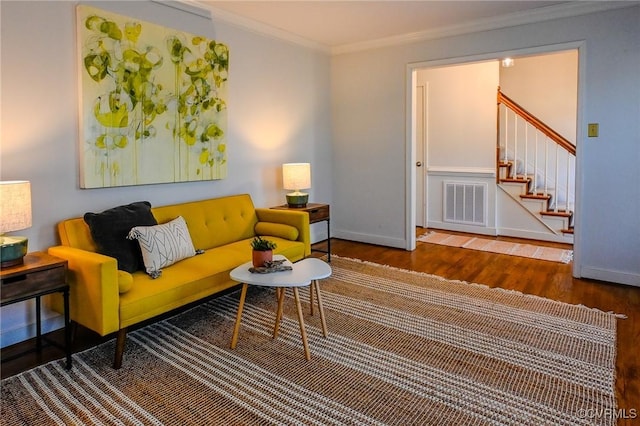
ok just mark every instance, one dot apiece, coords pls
pixel 163 245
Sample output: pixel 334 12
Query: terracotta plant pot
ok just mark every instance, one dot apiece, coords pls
pixel 260 257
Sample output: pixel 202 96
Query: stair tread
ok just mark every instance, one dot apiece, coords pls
pixel 560 213
pixel 536 196
pixel 516 180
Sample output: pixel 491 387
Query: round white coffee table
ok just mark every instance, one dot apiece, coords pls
pixel 304 273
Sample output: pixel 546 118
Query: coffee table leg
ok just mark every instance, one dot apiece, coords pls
pixel 236 328
pixel 311 298
pixel 296 295
pixel 320 307
pixel 280 291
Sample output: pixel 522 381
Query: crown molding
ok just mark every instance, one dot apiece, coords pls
pixel 188 6
pixel 575 8
pixel 217 14
pixel 514 19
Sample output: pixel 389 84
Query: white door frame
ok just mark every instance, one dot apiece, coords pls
pixel 410 142
pixel 421 147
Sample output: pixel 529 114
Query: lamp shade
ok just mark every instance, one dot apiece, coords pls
pixel 15 205
pixel 15 214
pixel 296 176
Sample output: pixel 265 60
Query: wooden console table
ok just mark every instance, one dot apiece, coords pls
pixel 39 275
pixel 317 213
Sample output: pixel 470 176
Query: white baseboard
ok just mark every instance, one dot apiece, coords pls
pixel 507 232
pixel 610 276
pixel 448 226
pixel 532 235
pixel 28 331
pixel 370 239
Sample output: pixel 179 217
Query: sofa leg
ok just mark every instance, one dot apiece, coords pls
pixel 120 341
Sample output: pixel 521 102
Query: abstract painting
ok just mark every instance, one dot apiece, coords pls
pixel 152 102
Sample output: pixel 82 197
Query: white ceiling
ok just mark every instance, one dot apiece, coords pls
pixel 335 23
pixel 339 25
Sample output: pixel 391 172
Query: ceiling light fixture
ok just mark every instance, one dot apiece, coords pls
pixel 508 62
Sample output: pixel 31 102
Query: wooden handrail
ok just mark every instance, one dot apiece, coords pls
pixel 537 123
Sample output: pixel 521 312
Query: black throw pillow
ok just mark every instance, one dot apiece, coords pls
pixel 110 228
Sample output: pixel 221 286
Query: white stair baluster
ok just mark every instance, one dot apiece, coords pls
pixel 556 179
pixel 546 164
pixel 506 135
pixel 567 190
pixel 535 167
pixel 526 150
pixel 515 146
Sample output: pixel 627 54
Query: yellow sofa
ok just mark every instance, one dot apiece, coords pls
pixel 107 300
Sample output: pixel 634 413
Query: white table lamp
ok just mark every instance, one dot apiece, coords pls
pixel 296 176
pixel 15 215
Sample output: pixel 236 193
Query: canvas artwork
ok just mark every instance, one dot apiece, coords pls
pixel 152 102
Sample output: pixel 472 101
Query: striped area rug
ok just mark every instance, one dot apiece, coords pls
pixel 404 348
pixel 502 247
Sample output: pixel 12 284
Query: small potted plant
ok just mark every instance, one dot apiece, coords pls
pixel 262 251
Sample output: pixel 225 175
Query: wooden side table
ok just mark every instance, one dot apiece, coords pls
pixel 317 213
pixel 41 274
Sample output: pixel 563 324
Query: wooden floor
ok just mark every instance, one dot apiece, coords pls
pixel 546 279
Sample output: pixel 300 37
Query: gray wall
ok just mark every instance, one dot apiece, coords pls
pixel 345 114
pixel 546 86
pixel 369 133
pixel 278 112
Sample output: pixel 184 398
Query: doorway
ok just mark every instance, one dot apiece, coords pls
pixel 418 158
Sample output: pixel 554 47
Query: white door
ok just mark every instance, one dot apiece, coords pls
pixel 421 161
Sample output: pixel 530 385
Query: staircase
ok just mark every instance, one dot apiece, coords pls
pixel 536 168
